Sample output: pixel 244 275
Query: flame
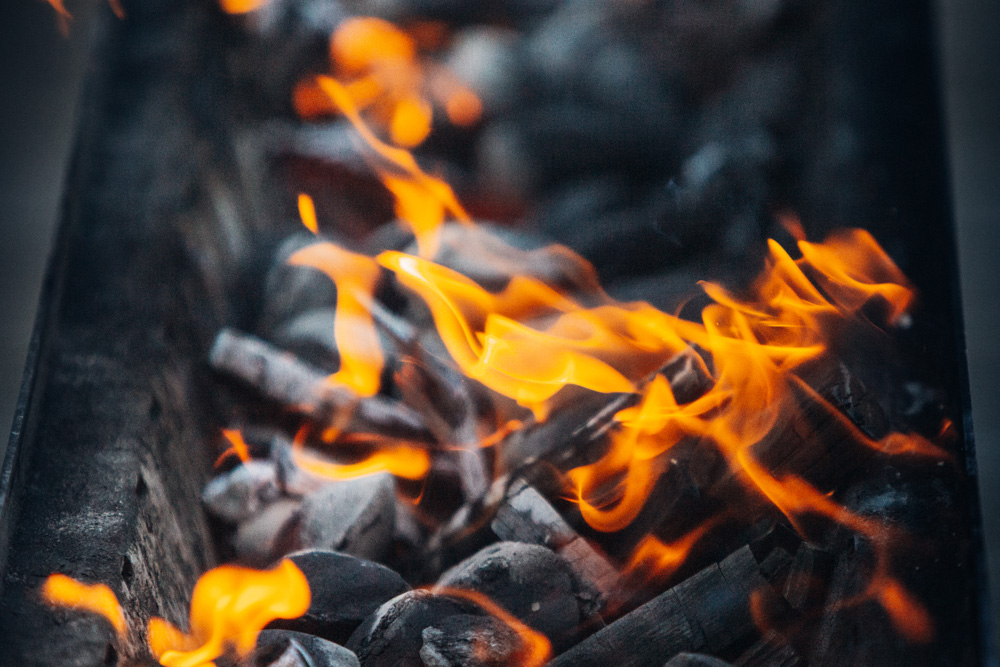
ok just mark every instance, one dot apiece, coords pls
pixel 307 213
pixel 241 6
pixel 355 276
pixel 229 607
pixel 422 201
pixel 385 74
pixel 401 461
pixel 538 649
pixel 62 591
pixel 237 447
pixel 656 560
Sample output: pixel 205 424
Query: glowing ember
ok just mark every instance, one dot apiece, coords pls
pixel 241 6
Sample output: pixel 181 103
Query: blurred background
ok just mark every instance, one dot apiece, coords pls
pixel 42 70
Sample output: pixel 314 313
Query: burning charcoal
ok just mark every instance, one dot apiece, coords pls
pixel 532 583
pixel 355 516
pixel 709 611
pixel 240 493
pixel 310 337
pixel 770 650
pixel 290 290
pixel 808 577
pixel 393 635
pixel 294 384
pixel 526 516
pixel 688 374
pixel 285 648
pixel 471 641
pixel 695 660
pixel 262 538
pixel 345 590
pixel 487 60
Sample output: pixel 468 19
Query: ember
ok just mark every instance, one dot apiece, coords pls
pixel 480 411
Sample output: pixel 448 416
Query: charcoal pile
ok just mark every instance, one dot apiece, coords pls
pixel 475 394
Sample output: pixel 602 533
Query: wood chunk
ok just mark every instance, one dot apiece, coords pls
pixel 355 516
pixel 707 612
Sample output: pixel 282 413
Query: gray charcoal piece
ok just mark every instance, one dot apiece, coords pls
pixel 309 335
pixel 355 516
pixel 393 635
pixel 488 61
pixel 345 591
pixel 263 538
pixel 242 492
pixel 695 660
pixel 471 641
pixel 291 290
pixel 285 648
pixel 533 583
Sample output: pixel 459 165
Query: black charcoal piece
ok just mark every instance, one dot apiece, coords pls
pixel 354 516
pixel 345 591
pixel 472 641
pixel 242 492
pixel 392 636
pixel 286 648
pixel 533 583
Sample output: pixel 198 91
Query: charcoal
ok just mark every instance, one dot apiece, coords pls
pixel 309 336
pixel 285 648
pixel 695 660
pixel 487 60
pixel 392 636
pixel 353 516
pixel 526 516
pixel 290 290
pixel 260 539
pixel 345 591
pixel 471 641
pixel 242 492
pixel 531 582
pixel 771 650
pixel 709 611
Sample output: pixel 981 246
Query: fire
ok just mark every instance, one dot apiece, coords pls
pixel 241 6
pixel 229 607
pixel 237 447
pixel 355 276
pixel 385 74
pixel 401 461
pixel 62 591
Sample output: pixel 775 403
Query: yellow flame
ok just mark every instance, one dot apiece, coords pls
pixel 62 591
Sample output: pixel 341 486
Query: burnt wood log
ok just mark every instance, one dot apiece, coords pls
pixel 707 612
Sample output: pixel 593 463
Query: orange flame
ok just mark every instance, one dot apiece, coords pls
pixel 62 591
pixel 538 649
pixel 355 276
pixel 307 213
pixel 422 201
pixel 386 75
pixel 238 447
pixel 400 461
pixel 229 607
pixel 241 6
